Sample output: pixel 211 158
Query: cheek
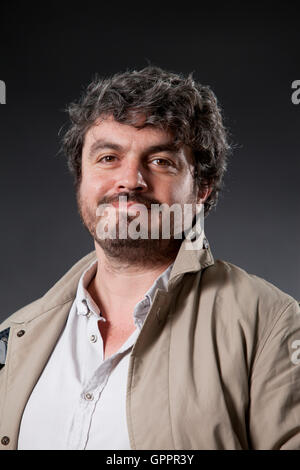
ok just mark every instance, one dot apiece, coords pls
pixel 189 188
pixel 182 191
pixel 92 186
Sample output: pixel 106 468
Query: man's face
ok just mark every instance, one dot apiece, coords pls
pixel 142 164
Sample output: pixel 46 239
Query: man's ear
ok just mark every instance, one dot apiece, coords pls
pixel 203 194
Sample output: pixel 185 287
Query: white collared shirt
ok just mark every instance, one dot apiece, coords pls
pixel 79 401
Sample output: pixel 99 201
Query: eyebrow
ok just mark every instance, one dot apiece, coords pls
pixel 103 144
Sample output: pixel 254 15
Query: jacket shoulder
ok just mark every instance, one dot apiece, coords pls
pixel 62 291
pixel 248 307
pixel 17 316
pixel 247 289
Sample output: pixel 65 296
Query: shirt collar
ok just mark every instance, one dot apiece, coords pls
pixel 83 300
pixel 141 309
pixel 85 304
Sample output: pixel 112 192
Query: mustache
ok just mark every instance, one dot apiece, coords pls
pixel 131 196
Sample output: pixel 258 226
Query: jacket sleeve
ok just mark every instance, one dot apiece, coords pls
pixel 274 410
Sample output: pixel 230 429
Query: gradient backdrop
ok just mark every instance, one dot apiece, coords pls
pixel 249 55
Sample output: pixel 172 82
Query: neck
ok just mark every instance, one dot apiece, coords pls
pixel 117 287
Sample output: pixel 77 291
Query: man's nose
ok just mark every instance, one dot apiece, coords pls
pixel 131 178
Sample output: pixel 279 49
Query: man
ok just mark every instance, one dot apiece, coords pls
pixel 147 342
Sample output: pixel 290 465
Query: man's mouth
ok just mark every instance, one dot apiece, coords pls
pixel 124 204
pixel 131 208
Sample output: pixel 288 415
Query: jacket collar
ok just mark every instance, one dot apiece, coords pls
pixel 191 257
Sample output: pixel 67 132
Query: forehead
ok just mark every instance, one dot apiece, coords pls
pixel 124 134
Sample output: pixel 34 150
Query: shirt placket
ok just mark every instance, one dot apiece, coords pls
pixel 95 386
pixel 91 357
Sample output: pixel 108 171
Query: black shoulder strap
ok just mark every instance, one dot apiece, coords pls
pixel 3 346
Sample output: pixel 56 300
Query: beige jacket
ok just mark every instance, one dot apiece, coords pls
pixel 216 365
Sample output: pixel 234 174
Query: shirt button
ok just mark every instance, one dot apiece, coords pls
pixel 93 338
pixel 89 396
pixel 20 333
pixel 5 440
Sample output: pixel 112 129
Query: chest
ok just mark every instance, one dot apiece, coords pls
pixel 114 335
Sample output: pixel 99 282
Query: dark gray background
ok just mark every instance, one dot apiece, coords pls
pixel 249 55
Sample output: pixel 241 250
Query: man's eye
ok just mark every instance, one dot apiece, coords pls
pixel 162 162
pixel 107 158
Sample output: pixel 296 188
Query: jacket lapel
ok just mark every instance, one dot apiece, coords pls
pixel 29 347
pixel 149 367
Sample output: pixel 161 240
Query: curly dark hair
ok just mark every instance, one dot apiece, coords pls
pixel 169 101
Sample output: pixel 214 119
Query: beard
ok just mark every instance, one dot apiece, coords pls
pixel 131 251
